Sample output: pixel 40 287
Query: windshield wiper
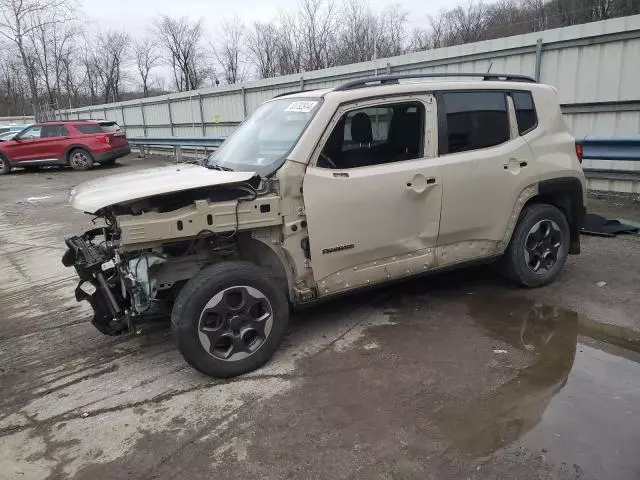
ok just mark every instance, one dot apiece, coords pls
pixel 220 167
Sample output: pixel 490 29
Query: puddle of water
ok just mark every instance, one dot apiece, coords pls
pixel 577 403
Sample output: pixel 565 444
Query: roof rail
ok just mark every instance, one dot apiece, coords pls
pixel 290 93
pixel 393 79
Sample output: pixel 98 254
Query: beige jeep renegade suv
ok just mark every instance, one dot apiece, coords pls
pixel 322 192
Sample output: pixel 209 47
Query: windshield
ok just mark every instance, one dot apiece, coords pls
pixel 262 142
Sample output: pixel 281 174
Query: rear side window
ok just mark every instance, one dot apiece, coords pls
pixel 525 111
pixel 49 131
pixel 471 120
pixel 88 128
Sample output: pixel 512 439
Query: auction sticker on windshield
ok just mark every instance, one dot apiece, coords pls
pixel 301 106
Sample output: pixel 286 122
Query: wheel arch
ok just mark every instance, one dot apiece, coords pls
pixel 261 253
pixel 74 146
pixel 566 194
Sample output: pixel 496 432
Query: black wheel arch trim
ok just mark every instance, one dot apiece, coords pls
pixel 574 208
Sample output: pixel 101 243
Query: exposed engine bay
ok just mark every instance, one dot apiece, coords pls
pixel 131 269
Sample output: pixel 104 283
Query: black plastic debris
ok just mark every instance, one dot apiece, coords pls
pixel 600 226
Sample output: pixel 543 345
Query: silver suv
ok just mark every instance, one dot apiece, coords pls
pixel 328 191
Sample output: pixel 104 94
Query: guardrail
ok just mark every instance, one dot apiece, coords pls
pixel 610 148
pixel 611 163
pixel 175 143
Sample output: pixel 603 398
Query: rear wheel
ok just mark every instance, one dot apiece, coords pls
pixel 5 166
pixel 230 319
pixel 539 246
pixel 80 159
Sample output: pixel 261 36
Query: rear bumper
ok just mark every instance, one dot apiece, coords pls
pixel 111 154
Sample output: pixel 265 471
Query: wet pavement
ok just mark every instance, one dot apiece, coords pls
pixel 454 376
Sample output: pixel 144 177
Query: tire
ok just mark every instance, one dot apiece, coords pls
pixel 80 159
pixel 538 248
pixel 214 316
pixel 5 166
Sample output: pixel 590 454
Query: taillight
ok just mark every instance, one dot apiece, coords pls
pixel 579 151
pixel 103 138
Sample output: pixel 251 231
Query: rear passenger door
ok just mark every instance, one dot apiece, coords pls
pixel 486 165
pixel 53 142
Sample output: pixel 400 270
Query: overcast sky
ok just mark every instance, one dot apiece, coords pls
pixel 135 16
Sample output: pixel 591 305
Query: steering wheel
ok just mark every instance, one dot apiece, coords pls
pixel 327 160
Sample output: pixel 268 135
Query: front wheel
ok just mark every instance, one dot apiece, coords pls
pixel 5 166
pixel 539 246
pixel 80 159
pixel 230 319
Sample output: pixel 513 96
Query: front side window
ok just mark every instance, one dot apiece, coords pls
pixel 263 141
pixel 30 133
pixel 472 120
pixel 525 111
pixel 375 135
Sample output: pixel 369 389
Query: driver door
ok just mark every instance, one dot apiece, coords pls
pixel 373 195
pixel 26 145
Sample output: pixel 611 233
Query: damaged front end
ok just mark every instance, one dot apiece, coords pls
pixel 158 233
pixel 119 289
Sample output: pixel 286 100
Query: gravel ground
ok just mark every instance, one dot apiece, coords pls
pixel 458 375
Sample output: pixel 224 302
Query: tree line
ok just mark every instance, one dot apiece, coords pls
pixel 48 61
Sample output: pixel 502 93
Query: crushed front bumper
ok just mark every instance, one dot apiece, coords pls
pixel 99 282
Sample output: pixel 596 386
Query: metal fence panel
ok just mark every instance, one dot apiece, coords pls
pixel 133 115
pixel 157 114
pixel 223 108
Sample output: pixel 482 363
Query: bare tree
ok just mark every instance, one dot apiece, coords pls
pixel 146 57
pixel 229 50
pixel 262 43
pixel 468 22
pixel 50 43
pixel 392 31
pixel 14 90
pixel 537 13
pixel 358 41
pixel 108 60
pixel 290 45
pixel 318 27
pixel 182 40
pixel 19 19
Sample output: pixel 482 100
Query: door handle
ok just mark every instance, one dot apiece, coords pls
pixel 521 163
pixel 419 183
